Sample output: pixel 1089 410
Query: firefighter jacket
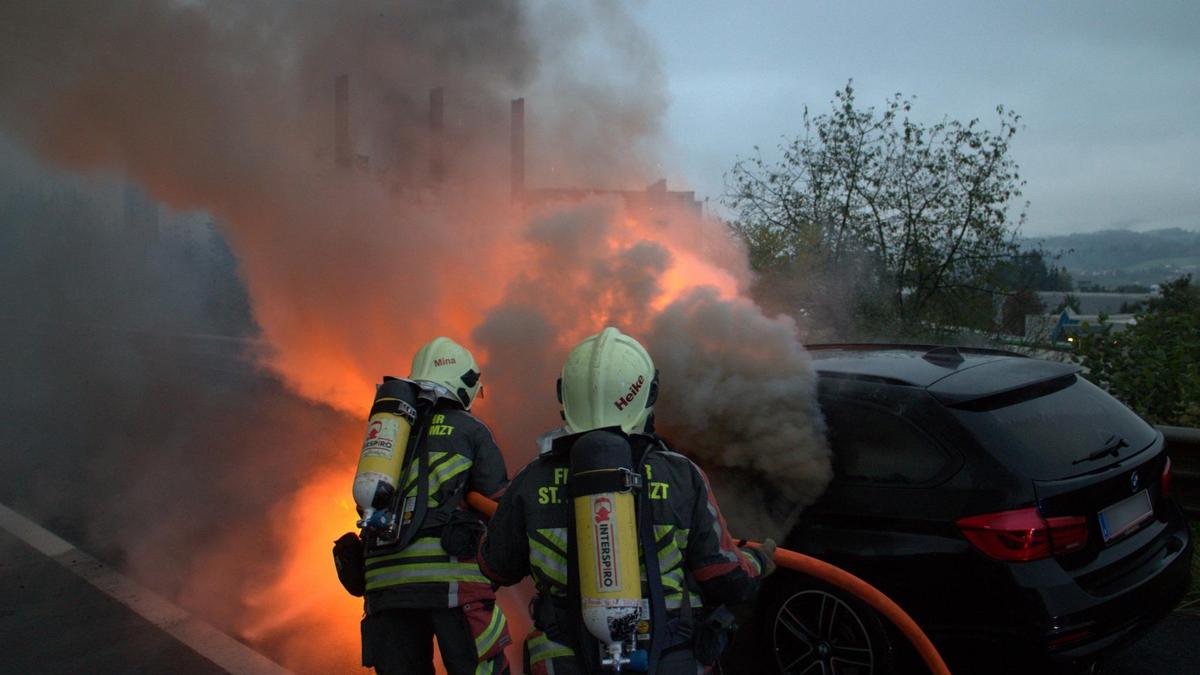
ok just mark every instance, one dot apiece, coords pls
pixel 460 455
pixel 696 554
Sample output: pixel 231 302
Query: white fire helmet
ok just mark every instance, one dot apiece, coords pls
pixel 608 380
pixel 448 365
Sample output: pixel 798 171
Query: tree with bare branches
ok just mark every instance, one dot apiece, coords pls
pixel 913 219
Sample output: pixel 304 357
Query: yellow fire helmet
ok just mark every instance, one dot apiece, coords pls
pixel 608 380
pixel 449 366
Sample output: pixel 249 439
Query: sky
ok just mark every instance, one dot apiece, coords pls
pixel 1109 91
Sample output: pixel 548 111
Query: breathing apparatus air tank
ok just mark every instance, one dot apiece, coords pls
pixel 382 459
pixel 606 541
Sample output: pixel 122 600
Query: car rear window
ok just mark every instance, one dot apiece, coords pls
pixel 1048 430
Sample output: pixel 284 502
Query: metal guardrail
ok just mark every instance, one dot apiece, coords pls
pixel 1183 445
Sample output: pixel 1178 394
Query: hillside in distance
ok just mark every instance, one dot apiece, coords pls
pixel 1119 257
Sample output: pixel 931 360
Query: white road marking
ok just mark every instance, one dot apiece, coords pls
pixel 29 532
pixel 202 637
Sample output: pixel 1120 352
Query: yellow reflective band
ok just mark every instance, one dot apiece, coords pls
pixel 669 555
pixel 487 639
pixel 411 478
pixel 442 459
pixel 427 568
pixel 542 648
pixel 681 538
pixel 447 471
pixel 556 536
pixel 675 600
pixel 673 579
pixel 486 668
pixel 421 548
pixel 424 573
pixel 550 563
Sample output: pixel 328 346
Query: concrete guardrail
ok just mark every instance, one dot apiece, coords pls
pixel 1183 446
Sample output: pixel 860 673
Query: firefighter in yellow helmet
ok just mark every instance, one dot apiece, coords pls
pixel 609 383
pixel 425 582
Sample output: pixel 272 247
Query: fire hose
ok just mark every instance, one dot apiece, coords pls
pixel 830 574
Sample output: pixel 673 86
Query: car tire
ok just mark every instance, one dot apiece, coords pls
pixel 811 628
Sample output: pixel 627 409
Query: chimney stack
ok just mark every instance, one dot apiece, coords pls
pixel 342 153
pixel 437 168
pixel 517 149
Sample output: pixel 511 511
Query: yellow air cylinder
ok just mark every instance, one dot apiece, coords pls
pixel 379 465
pixel 610 585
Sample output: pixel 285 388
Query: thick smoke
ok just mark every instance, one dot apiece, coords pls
pixel 727 372
pixel 134 420
pixel 227 108
pixel 738 390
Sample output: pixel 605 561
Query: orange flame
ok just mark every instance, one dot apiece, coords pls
pixel 305 616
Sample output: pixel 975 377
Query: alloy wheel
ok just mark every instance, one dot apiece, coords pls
pixel 817 633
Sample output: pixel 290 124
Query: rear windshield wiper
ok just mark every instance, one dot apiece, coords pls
pixel 1111 447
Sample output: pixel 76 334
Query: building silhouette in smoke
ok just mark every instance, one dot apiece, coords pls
pixel 654 197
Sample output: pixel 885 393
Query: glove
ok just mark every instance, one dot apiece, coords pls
pixel 350 562
pixel 766 553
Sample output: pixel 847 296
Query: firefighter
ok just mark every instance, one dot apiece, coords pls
pixel 609 382
pixel 427 583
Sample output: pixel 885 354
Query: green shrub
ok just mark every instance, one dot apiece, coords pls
pixel 1153 366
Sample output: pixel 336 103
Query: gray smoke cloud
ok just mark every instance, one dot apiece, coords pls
pixel 331 277
pixel 228 107
pixel 739 392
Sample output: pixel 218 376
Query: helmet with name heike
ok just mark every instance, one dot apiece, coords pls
pixel 448 365
pixel 608 380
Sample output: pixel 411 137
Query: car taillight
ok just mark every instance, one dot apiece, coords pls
pixel 1024 535
pixel 1166 479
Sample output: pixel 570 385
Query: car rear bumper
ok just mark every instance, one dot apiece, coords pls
pixel 1024 629
pixel 1119 620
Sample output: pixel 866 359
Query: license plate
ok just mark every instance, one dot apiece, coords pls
pixel 1125 515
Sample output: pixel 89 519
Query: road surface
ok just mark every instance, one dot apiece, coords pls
pixel 53 620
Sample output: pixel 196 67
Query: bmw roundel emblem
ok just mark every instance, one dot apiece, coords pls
pixel 1133 481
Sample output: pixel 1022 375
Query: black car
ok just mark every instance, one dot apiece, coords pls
pixel 1019 513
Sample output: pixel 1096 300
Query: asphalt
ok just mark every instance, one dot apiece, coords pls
pixel 1171 648
pixel 53 621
